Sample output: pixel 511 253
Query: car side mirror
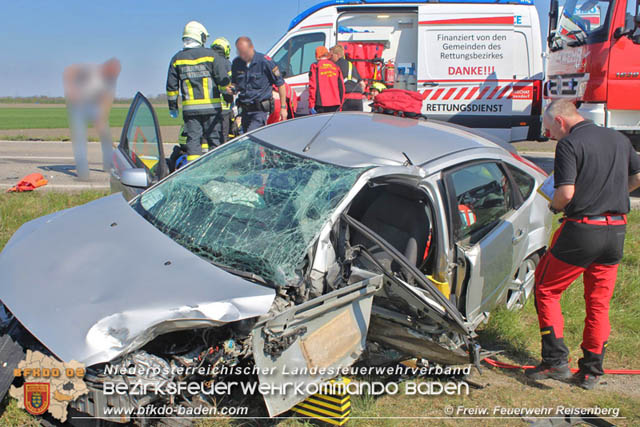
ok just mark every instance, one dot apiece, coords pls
pixel 136 177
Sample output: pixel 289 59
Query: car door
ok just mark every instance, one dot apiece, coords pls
pixel 140 149
pixel 489 233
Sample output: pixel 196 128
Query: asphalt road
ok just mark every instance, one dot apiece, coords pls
pixel 54 160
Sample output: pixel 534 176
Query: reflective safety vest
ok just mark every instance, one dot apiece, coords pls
pixel 353 90
pixel 197 74
pixel 225 99
pixel 349 77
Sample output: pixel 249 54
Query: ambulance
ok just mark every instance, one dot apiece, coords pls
pixel 594 60
pixel 477 64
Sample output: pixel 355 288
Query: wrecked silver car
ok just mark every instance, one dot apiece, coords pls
pixel 316 242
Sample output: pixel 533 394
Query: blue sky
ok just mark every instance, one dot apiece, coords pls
pixel 40 37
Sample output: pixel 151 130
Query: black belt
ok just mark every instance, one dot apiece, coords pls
pixel 265 105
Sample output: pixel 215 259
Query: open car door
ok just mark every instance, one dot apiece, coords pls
pixel 139 160
pixel 490 234
pixel 411 314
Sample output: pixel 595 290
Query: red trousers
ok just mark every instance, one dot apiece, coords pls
pixel 593 249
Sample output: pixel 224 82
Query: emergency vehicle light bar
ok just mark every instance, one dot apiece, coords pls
pixel 295 21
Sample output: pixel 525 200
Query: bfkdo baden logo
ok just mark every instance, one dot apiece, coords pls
pixel 36 397
pixel 49 384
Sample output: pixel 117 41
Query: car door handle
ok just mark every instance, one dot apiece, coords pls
pixel 425 84
pixel 518 237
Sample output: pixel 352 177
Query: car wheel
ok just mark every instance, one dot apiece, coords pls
pixel 521 285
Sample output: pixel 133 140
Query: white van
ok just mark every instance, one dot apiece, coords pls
pixel 476 64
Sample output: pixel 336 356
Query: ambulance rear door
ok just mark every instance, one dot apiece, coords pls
pixel 466 66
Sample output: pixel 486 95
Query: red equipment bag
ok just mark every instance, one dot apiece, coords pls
pixel 367 57
pixel 398 102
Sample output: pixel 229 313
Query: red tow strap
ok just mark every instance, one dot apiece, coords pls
pixel 503 365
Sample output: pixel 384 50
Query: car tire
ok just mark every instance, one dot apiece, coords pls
pixel 522 284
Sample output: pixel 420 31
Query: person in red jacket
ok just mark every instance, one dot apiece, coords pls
pixel 326 84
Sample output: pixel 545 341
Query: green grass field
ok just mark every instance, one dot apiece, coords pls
pixel 516 333
pixel 56 117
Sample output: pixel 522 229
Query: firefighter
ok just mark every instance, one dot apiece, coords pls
pixel 198 74
pixel 326 84
pixel 595 169
pixel 253 75
pixel 353 84
pixel 223 47
pixel 376 89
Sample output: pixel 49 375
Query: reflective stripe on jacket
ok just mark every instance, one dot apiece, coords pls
pixel 198 74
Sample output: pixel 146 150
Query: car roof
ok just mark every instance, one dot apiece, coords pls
pixel 355 139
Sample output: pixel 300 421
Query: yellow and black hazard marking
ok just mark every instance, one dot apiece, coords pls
pixel 329 408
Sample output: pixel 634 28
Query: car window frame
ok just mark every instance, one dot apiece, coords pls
pixel 138 100
pixel 454 222
pixel 521 198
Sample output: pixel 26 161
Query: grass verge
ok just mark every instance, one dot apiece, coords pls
pixel 53 118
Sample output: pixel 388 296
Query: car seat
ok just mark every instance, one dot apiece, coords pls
pixel 402 222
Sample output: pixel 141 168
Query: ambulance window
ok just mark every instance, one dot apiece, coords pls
pixel 483 196
pixel 297 54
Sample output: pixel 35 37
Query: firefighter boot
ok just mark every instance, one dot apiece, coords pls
pixel 544 371
pixel 590 369
pixel 554 358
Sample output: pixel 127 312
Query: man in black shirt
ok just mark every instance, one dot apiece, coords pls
pixel 595 169
pixel 353 84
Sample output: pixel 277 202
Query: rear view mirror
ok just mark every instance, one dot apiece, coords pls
pixel 135 178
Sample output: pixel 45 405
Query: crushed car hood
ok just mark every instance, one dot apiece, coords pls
pixel 98 280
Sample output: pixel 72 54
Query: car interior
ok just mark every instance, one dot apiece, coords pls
pixel 401 215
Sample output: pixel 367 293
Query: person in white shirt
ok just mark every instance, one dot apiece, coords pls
pixel 89 91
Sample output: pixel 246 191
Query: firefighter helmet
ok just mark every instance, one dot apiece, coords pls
pixel 378 86
pixel 224 44
pixel 196 31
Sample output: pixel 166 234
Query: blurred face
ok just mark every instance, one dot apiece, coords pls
pixel 111 68
pixel 556 127
pixel 245 50
pixel 334 57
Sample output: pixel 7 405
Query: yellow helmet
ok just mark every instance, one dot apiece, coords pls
pixel 224 44
pixel 378 86
pixel 196 31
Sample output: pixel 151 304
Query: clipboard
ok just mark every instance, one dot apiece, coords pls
pixel 547 189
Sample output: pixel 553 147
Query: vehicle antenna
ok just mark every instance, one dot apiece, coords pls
pixel 313 139
pixel 408 162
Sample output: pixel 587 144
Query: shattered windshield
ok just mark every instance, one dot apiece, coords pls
pixel 578 20
pixel 249 207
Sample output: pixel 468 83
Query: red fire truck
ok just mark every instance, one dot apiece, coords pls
pixel 594 58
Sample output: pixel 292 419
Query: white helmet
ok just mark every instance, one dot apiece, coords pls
pixel 196 31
